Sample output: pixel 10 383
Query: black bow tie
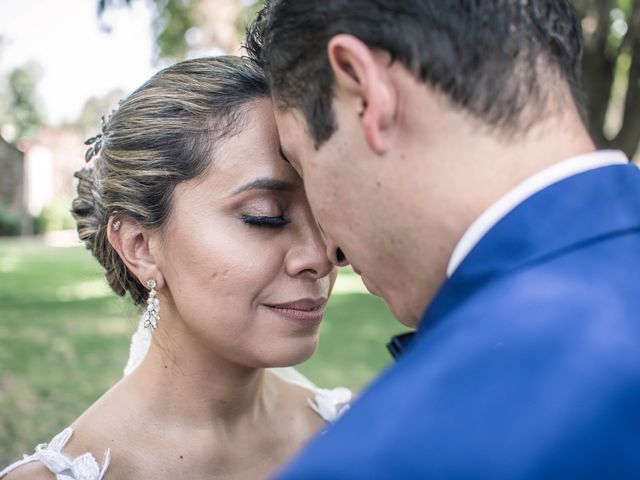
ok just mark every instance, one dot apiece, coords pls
pixel 399 344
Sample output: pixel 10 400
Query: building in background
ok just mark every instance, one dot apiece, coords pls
pixel 11 178
pixel 38 184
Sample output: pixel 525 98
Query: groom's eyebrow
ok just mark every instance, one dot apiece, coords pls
pixel 267 183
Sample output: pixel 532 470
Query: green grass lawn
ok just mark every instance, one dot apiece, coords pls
pixel 64 339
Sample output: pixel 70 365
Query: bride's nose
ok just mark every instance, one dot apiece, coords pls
pixel 307 255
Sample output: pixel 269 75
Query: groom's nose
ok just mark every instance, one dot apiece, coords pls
pixel 335 254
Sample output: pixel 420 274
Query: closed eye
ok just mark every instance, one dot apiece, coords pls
pixel 264 221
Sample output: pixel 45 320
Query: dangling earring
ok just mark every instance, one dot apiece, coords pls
pixel 152 313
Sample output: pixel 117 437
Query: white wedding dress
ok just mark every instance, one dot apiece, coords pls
pixel 328 403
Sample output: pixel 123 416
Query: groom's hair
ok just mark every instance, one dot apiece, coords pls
pixel 502 61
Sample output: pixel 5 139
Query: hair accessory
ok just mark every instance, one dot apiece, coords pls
pixel 116 225
pixel 152 313
pixel 97 142
pixel 94 149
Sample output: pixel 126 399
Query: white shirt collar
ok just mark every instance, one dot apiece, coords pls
pixel 526 189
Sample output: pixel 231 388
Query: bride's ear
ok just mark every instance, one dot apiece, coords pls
pixel 132 243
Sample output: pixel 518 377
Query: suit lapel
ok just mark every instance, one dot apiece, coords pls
pixel 578 210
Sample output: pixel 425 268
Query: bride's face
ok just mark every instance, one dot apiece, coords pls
pixel 245 271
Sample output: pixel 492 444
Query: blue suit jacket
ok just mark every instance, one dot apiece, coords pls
pixel 527 362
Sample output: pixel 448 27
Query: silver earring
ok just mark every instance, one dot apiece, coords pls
pixel 152 313
pixel 116 225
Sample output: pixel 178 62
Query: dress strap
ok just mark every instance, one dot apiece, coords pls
pixel 330 404
pixel 52 456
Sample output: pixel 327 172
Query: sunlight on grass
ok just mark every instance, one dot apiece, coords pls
pixel 84 291
pixel 348 282
pixel 9 264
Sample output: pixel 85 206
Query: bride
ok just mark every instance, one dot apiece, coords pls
pixel 191 211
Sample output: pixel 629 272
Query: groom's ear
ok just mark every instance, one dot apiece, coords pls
pixel 133 244
pixel 362 78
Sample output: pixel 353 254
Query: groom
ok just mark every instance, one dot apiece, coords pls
pixel 444 152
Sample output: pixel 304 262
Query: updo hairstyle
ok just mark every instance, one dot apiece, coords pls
pixel 163 134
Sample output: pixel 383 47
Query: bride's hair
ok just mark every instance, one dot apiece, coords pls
pixel 163 134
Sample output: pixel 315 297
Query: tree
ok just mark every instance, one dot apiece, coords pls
pixel 172 20
pixel 23 111
pixel 611 71
pixel 182 27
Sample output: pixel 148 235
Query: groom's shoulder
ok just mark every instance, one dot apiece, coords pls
pixel 594 281
pixel 546 356
pixel 584 301
pixel 571 250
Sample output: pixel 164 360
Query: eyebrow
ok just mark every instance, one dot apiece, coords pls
pixel 267 183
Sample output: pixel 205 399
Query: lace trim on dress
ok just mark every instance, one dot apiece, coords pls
pixel 52 456
pixel 330 404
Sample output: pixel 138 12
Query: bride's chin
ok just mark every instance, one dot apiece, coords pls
pixel 291 354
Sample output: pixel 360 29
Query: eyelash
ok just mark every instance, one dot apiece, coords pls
pixel 265 222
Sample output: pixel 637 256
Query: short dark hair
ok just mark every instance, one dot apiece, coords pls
pixel 488 57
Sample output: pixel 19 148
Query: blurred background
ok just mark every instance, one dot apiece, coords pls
pixel 63 336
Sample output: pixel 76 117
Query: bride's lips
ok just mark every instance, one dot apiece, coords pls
pixel 306 310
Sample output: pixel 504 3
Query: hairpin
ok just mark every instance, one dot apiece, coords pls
pixel 97 141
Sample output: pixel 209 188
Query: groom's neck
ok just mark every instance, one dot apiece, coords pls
pixel 451 175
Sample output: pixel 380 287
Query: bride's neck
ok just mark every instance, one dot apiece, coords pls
pixel 196 387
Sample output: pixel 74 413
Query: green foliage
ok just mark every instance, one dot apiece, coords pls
pixel 247 15
pixel 611 71
pixel 64 340
pixel 9 223
pixel 23 112
pixel 55 216
pixel 173 19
